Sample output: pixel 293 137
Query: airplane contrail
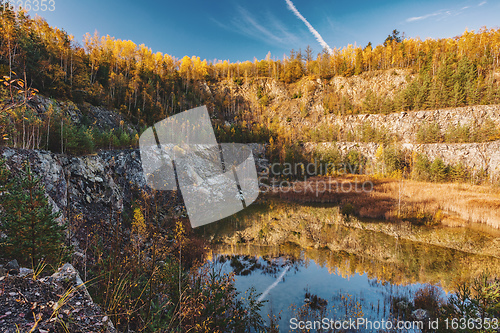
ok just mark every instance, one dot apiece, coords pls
pixel 309 26
pixel 275 283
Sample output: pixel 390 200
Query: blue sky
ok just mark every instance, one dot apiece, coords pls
pixel 239 30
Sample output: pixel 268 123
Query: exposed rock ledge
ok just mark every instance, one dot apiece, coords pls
pixel 475 156
pixel 93 185
pixel 406 124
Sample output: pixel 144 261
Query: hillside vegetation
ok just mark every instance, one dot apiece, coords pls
pixel 147 86
pixel 280 102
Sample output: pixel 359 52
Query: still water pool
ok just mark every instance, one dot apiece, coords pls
pixel 309 265
pixel 289 287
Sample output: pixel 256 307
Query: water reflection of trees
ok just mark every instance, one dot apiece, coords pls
pixel 278 229
pixel 243 265
pixel 411 263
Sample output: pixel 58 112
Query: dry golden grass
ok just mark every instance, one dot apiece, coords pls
pixel 452 204
pixel 461 203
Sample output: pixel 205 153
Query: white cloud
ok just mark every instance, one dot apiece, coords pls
pixel 423 17
pixel 249 25
pixel 267 28
pixel 442 14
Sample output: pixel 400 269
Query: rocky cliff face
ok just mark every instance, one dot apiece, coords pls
pixel 406 124
pixel 382 83
pixel 300 106
pixel 99 117
pixel 96 186
pixel 474 156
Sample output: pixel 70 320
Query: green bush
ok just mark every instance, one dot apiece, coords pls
pixel 429 133
pixel 79 141
pixel 124 139
pixel 354 162
pixel 421 168
pixel 368 133
pixel 438 170
pixel 488 131
pixel 394 159
pixel 324 133
pixel 459 173
pixel 480 295
pixel 114 141
pixel 458 133
pixel 329 159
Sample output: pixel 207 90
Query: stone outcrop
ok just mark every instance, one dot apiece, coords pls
pixel 381 83
pixel 300 106
pixel 96 186
pixel 406 124
pixel 474 156
pixel 85 114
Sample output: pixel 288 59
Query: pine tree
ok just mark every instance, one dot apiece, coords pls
pixel 30 227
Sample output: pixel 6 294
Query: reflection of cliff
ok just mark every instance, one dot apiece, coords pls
pixel 400 254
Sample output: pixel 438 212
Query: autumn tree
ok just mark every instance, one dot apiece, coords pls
pixel 394 36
